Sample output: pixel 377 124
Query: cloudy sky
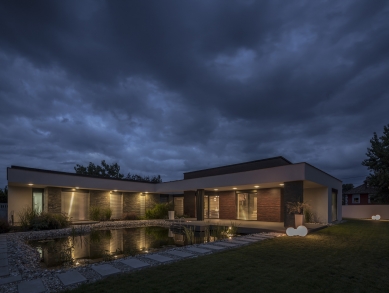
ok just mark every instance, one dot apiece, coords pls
pixel 164 87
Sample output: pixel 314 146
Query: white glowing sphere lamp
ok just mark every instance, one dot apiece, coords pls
pixel 300 231
pixel 376 217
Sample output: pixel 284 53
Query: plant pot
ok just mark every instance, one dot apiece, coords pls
pixel 298 220
pixel 171 215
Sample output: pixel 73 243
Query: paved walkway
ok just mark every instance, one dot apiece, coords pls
pixel 73 277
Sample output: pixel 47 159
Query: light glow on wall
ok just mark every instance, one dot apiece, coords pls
pixel 71 204
pixel 376 217
pixel 300 231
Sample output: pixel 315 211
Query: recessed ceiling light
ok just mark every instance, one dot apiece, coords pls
pixel 77 187
pixel 73 189
pixel 256 186
pixel 147 192
pixel 30 184
pixel 282 184
pixel 215 189
pixel 234 188
pixel 115 190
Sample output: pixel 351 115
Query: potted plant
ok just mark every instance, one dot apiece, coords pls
pixel 297 208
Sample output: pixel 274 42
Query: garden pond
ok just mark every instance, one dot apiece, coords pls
pixel 105 245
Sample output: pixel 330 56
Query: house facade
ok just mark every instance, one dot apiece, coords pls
pixel 251 191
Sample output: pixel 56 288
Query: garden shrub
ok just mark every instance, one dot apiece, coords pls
pixel 100 214
pixel 130 216
pixel 159 211
pixel 32 220
pixel 4 226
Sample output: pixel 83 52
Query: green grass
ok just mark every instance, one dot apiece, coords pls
pixel 350 257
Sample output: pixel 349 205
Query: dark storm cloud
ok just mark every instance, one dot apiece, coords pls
pixel 172 86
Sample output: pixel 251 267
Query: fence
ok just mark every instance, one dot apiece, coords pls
pixel 365 211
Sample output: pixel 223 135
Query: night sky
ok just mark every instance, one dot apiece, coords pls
pixel 165 87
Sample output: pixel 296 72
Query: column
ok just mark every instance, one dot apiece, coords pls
pixel 200 204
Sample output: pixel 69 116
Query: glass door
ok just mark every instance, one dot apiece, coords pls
pixel 211 207
pixel 247 206
pixel 206 207
pixel 37 200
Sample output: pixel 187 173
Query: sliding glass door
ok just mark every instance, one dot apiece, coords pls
pixel 211 207
pixel 247 206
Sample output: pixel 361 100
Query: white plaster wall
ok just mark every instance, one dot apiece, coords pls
pixel 365 211
pixel 318 199
pixel 18 199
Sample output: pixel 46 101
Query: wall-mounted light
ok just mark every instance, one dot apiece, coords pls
pixel 282 184
pixel 30 184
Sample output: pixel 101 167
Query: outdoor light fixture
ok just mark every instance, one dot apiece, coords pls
pixel 234 188
pixel 300 231
pixel 73 189
pixel 282 184
pixel 215 189
pixel 256 186
pixel 77 187
pixel 376 217
pixel 115 190
pixel 30 184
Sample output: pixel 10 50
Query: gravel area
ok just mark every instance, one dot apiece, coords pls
pixel 24 260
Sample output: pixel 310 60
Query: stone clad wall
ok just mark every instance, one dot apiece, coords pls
pixel 99 198
pixel 269 205
pixel 151 200
pixel 227 205
pixel 131 203
pixel 54 200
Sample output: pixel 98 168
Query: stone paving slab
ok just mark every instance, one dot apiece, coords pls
pixel 4 271
pixel 135 263
pixel 214 247
pixel 227 244
pixel 3 255
pixel 33 286
pixel 10 279
pixel 179 253
pixel 105 270
pixel 198 250
pixel 3 262
pixel 159 258
pixel 71 277
pixel 247 239
pixel 238 242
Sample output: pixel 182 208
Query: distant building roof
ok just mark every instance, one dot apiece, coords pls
pixel 242 167
pixel 364 188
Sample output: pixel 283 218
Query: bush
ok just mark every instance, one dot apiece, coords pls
pixel 4 226
pixel 99 214
pixel 32 220
pixel 130 216
pixel 159 211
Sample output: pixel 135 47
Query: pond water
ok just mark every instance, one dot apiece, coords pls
pixel 103 245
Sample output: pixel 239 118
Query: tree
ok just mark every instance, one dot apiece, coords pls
pixel 112 171
pixel 4 195
pixel 378 165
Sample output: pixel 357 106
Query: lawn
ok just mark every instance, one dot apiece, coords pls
pixel 349 257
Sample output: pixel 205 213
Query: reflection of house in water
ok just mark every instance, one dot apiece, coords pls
pixel 100 244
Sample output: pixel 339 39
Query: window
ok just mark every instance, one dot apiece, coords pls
pixel 369 197
pixel 356 199
pixel 37 200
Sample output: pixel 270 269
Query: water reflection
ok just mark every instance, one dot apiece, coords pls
pixel 111 244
